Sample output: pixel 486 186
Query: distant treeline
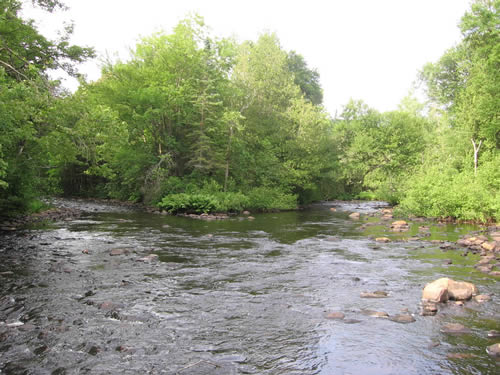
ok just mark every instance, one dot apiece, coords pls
pixel 196 118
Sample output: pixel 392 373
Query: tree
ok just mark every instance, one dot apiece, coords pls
pixel 26 95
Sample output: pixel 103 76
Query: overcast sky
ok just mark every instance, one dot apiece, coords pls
pixel 363 49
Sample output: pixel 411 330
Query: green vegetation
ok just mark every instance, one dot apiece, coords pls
pixel 195 123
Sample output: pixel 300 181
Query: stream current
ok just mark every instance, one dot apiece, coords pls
pixel 234 296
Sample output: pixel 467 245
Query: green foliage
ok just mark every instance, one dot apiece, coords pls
pixel 265 198
pixel 231 202
pixel 447 193
pixel 190 203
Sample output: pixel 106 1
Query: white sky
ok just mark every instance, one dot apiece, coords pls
pixel 363 49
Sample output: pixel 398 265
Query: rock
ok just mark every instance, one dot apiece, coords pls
pixel 246 213
pixel 355 215
pixel 429 309
pixel 493 350
pixel 485 260
pixel 437 291
pixel 375 314
pixel 461 290
pixel 333 209
pixel 460 355
pixel 149 258
pixel 485 268
pixel 455 329
pixel 447 261
pixel 443 289
pixel 107 306
pixel 351 321
pixel 387 211
pixel 399 223
pixel 251 218
pixel 116 252
pixel 376 294
pixel 85 251
pixel 335 315
pixel 402 318
pixel 495 273
pixel 489 246
pixel 493 333
pixel 482 298
pixel 382 239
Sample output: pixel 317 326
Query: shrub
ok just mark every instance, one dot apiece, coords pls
pixel 192 203
pixel 265 198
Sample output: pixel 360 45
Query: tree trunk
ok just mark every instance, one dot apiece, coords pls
pixel 476 152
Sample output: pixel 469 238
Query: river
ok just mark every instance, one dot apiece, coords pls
pixel 235 296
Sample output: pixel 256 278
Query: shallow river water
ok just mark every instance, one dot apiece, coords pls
pixel 234 296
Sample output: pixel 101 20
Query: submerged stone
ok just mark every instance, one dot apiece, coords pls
pixel 402 318
pixel 335 315
pixel 376 294
pixel 455 328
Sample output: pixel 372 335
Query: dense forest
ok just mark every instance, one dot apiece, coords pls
pixel 196 122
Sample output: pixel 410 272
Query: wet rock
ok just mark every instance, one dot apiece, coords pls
pixel 335 315
pixel 113 314
pixel 487 268
pixel 382 239
pixel 351 321
pixel 429 309
pixel 493 350
pixel 246 213
pixel 400 226
pixel 460 355
pixel 118 251
pixel 447 261
pixel 251 218
pixel 493 333
pixel 444 289
pixel 149 258
pixel 489 246
pixel 85 251
pixel 333 209
pixel 485 260
pixel 402 318
pixel 107 306
pixel 455 329
pixel 375 314
pixel 94 350
pixel 461 290
pixel 376 294
pixel 495 273
pixel 437 291
pixel 355 215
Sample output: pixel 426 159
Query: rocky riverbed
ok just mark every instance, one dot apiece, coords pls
pixel 120 290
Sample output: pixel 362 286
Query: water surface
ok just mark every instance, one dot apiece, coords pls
pixel 233 297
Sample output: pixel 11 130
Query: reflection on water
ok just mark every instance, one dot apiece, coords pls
pixel 233 297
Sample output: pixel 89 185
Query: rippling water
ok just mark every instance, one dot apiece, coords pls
pixel 233 297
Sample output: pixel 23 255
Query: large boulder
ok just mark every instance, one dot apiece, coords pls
pixel 437 291
pixel 461 290
pixel 444 289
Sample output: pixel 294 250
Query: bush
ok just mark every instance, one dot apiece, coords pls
pixel 231 202
pixel 440 192
pixel 265 198
pixel 191 203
